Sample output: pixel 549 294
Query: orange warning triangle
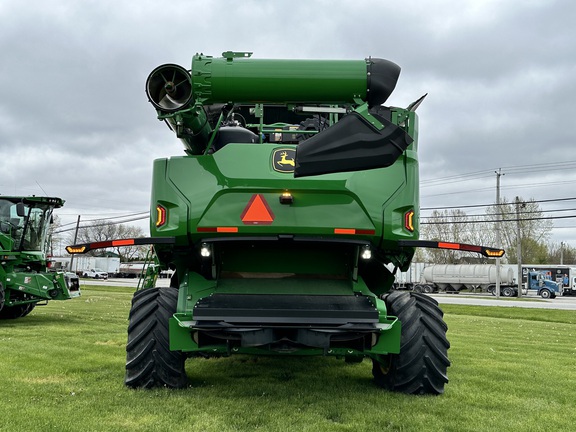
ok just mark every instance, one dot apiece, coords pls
pixel 257 212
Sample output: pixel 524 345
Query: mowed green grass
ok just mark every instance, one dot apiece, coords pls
pixel 62 369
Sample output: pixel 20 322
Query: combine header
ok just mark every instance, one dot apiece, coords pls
pixel 296 189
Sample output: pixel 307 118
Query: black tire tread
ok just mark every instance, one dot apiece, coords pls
pixel 15 312
pixel 421 366
pixel 2 296
pixel 149 361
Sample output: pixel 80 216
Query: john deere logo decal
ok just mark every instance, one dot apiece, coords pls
pixel 283 160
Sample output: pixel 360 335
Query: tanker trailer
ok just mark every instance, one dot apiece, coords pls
pixel 296 189
pixel 457 277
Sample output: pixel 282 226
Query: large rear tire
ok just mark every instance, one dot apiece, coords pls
pixel 312 123
pixel 149 361
pixel 2 296
pixel 18 311
pixel 421 366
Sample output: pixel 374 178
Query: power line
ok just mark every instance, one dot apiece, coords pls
pixel 497 220
pixel 493 204
pixel 101 214
pixel 466 215
pixel 515 186
pixel 557 166
pixel 103 224
pixel 107 218
pixel 460 177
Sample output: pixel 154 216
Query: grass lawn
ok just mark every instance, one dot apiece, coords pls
pixel 62 369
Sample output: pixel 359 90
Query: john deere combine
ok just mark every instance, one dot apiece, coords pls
pixel 298 187
pixel 24 278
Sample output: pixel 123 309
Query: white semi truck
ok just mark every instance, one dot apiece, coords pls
pixel 87 266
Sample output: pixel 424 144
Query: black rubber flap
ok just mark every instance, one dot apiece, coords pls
pixel 382 78
pixel 352 144
pixel 286 309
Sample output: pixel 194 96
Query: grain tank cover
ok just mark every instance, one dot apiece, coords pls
pixel 246 80
pixel 238 80
pixel 382 78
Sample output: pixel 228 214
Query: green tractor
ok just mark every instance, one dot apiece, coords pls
pixel 25 279
pixel 297 193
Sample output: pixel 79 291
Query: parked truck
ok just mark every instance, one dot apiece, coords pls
pixel 541 282
pixel 89 266
pixel 562 274
pixel 131 269
pixel 96 267
pixel 457 277
pixel 296 189
pixel 25 279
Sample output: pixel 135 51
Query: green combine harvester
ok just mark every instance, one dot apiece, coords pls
pixel 25 279
pixel 297 191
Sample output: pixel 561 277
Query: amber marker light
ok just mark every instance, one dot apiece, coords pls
pixel 409 220
pixel 161 215
pixel 75 249
pixel 495 253
pixel 286 198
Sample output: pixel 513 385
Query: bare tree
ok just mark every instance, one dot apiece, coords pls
pixel 535 230
pixel 561 253
pixel 101 230
pixel 54 237
pixel 457 226
pixel 453 226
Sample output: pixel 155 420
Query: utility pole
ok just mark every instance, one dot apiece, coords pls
pixel 498 218
pixel 561 253
pixel 519 248
pixel 75 238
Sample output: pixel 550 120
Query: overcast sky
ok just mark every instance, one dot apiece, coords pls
pixel 500 77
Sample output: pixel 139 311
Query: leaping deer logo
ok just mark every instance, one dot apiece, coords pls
pixel 284 161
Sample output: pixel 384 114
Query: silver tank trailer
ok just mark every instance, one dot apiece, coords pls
pixel 460 276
